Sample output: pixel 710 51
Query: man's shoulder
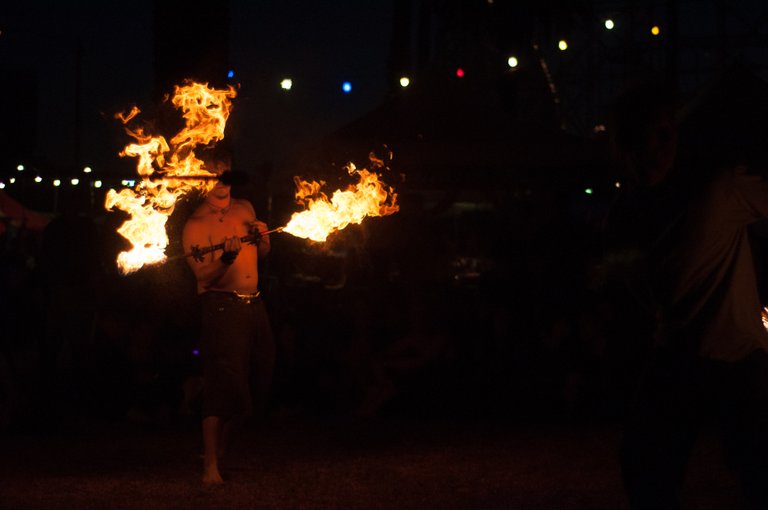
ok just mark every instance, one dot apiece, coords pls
pixel 730 174
pixel 729 181
pixel 244 204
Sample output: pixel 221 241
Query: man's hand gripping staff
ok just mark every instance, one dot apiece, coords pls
pixel 198 253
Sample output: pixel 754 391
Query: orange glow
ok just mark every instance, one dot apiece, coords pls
pixel 126 117
pixel 152 201
pixel 322 217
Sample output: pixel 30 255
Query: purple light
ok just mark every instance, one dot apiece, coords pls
pixel 195 352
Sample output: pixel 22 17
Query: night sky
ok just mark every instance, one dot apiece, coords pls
pixel 68 68
pixel 318 45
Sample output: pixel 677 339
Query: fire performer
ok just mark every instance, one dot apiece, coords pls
pixel 685 247
pixel 237 346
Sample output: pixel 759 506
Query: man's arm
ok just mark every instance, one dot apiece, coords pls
pixel 737 197
pixel 214 265
pixel 263 245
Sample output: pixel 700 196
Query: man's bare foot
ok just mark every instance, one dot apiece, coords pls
pixel 211 476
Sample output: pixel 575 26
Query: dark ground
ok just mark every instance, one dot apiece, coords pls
pixel 302 462
pixel 494 378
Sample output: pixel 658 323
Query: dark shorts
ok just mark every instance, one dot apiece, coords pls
pixel 238 354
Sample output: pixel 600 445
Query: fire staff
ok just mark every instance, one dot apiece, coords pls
pixel 237 346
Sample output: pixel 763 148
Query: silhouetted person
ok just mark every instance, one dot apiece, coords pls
pixel 236 336
pixel 70 268
pixel 20 295
pixel 682 242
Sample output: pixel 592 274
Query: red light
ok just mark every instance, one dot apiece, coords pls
pixel 460 72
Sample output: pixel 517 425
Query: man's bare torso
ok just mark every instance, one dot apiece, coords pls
pixel 207 227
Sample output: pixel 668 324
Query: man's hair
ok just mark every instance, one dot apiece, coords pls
pixel 635 110
pixel 219 154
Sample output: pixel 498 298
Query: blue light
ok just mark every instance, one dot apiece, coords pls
pixel 346 87
pixel 195 352
pixel 231 74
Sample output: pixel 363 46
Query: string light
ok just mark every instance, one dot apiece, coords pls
pixel 404 81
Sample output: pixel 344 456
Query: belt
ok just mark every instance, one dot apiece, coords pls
pixel 246 298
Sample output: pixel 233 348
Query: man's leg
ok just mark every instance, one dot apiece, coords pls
pixel 227 429
pixel 211 432
pixel 660 432
pixel 744 416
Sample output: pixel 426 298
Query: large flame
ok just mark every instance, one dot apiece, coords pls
pixel 369 197
pixel 151 202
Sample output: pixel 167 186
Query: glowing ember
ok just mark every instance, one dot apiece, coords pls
pixel 151 202
pixel 369 197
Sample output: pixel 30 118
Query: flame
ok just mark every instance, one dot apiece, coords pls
pixel 369 197
pixel 126 117
pixel 151 202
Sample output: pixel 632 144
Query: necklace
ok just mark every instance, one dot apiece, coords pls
pixel 221 210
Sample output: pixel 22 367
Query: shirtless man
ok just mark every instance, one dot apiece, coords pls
pixel 236 339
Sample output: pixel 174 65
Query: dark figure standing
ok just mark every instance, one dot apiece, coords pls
pixel 71 274
pixel 684 247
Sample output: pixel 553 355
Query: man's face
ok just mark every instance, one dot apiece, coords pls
pixel 221 190
pixel 659 149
